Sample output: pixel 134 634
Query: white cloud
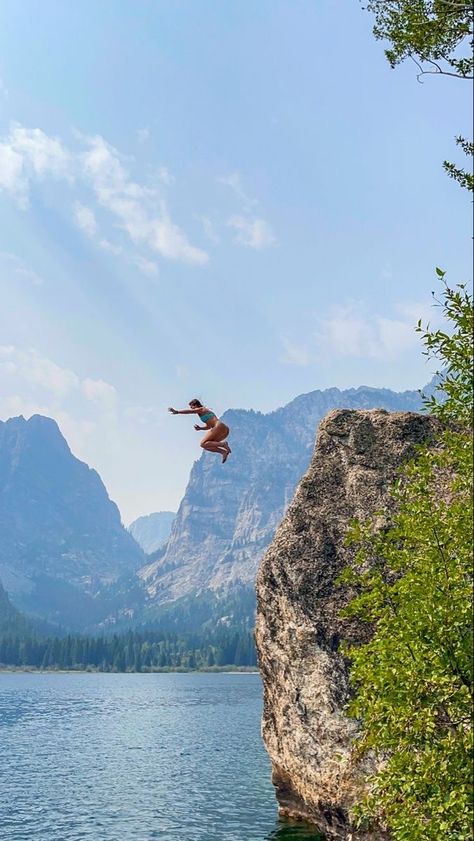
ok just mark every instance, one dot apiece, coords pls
pixel 251 230
pixel 34 370
pixel 13 265
pixel 110 247
pixel 12 178
pixel 31 383
pixel 100 392
pixel 254 233
pixel 235 182
pixel 43 153
pixel 85 219
pixel 351 331
pixel 38 370
pixel 147 267
pixel 132 204
pixel 28 153
pixel 166 238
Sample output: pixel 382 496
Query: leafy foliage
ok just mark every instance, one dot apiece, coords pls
pixel 436 34
pixel 465 179
pixel 413 581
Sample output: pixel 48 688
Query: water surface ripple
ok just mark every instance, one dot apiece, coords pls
pixel 98 757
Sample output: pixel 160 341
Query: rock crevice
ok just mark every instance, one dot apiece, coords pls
pixel 299 628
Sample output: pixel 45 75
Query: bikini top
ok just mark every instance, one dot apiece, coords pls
pixel 207 416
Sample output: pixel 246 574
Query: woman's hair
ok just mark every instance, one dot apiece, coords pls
pixel 195 402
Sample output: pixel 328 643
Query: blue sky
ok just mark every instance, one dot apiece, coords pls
pixel 239 201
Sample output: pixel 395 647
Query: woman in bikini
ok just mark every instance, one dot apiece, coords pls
pixel 214 440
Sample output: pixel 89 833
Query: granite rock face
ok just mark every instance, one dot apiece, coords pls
pixel 299 629
pixel 152 530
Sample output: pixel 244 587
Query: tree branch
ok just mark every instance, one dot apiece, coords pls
pixel 438 72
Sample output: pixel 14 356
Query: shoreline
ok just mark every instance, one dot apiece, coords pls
pixel 225 670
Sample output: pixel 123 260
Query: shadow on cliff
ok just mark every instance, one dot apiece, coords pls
pixel 289 831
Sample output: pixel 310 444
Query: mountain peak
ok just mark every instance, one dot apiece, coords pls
pixel 62 537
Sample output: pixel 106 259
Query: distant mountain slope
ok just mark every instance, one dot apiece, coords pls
pixel 61 535
pixel 229 512
pixel 10 618
pixel 153 530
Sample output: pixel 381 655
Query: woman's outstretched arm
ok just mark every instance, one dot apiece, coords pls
pixel 185 411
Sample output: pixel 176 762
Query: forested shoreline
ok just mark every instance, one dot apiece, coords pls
pixel 130 652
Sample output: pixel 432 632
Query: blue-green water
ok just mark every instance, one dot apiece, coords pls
pixel 97 757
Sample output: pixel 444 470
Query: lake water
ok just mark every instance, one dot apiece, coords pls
pixel 138 757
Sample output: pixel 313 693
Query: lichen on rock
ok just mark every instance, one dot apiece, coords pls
pixel 299 628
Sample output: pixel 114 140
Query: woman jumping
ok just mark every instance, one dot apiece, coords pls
pixel 214 440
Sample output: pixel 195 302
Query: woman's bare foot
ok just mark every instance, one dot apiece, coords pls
pixel 226 454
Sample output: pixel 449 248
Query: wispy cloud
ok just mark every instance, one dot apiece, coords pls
pixel 251 230
pixel 14 266
pixel 36 370
pixel 147 267
pixel 133 204
pixel 254 233
pixel 30 153
pixel 85 219
pixel 139 210
pixel 350 331
pixel 32 383
pixel 235 182
pixel 100 392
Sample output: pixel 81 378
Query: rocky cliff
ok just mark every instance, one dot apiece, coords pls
pixel 152 530
pixel 229 514
pixel 61 535
pixel 299 629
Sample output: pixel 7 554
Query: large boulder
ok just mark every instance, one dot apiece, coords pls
pixel 299 628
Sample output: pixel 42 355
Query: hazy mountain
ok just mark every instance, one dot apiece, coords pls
pixel 229 512
pixel 10 617
pixel 153 530
pixel 61 536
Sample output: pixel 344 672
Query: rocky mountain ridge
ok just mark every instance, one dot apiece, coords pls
pixel 61 536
